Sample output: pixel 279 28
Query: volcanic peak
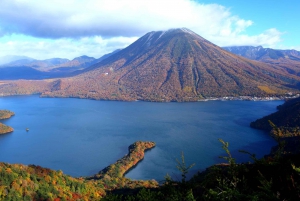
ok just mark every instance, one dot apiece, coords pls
pixel 172 65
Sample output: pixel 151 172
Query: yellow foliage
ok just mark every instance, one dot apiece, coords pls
pixel 266 89
pixel 188 89
pixel 8 170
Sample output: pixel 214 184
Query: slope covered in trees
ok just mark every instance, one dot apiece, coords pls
pixel 21 182
pixel 287 118
pixel 289 60
pixel 173 65
pixel 176 65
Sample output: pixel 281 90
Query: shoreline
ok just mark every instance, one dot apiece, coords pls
pixel 250 98
pixel 136 153
pixel 5 114
pixel 224 98
pixel 113 176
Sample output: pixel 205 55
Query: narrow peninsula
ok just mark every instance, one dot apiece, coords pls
pixel 113 175
pixel 5 114
pixel 37 183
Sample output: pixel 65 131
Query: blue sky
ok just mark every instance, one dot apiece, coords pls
pixel 279 14
pixel 53 28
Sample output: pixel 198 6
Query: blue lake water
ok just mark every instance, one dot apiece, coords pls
pixel 81 137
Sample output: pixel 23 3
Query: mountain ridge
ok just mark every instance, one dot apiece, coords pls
pixel 260 53
pixel 29 68
pixel 289 60
pixel 174 65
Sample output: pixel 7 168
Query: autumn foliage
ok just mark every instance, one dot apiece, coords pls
pixel 112 177
pixel 5 114
pixel 177 65
pixel 21 182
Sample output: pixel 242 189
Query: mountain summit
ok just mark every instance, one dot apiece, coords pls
pixel 174 65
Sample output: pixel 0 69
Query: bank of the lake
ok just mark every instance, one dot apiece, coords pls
pixel 82 137
pixel 5 114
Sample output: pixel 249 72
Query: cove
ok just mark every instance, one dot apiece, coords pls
pixel 81 137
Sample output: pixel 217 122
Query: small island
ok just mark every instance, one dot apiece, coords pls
pixel 5 129
pixel 5 114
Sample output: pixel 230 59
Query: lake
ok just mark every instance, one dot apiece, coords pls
pixel 81 137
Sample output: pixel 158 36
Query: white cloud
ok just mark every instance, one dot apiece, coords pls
pixel 268 38
pixel 64 48
pixel 77 18
pixel 76 25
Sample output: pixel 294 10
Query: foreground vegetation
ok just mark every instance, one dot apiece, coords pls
pixel 21 182
pixel 275 177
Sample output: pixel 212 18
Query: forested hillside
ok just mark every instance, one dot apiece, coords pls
pixel 173 65
pixel 22 182
pixel 287 118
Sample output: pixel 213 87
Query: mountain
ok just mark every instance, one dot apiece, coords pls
pixel 80 63
pixel 108 55
pixel 23 72
pixel 77 63
pixel 19 67
pixel 287 59
pixel 18 63
pixel 37 64
pixel 263 54
pixel 10 58
pixel 173 65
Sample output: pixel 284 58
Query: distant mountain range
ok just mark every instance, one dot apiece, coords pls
pixel 264 54
pixel 20 67
pixel 173 65
pixel 287 59
pixel 10 58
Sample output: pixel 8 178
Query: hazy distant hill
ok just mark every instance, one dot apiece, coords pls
pixel 264 54
pixel 21 67
pixel 23 72
pixel 42 65
pixel 77 63
pixel 173 65
pixel 287 59
pixel 10 58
